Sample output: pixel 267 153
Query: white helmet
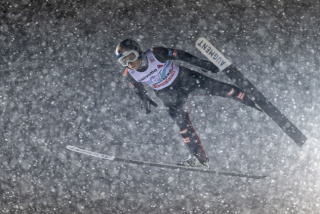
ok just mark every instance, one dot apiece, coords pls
pixel 128 51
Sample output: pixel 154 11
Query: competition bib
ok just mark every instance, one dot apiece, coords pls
pixel 158 75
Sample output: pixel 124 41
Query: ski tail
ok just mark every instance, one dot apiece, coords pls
pixel 273 112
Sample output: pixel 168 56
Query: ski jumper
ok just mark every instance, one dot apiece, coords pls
pixel 173 84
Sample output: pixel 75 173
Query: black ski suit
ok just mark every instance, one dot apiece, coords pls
pixel 175 96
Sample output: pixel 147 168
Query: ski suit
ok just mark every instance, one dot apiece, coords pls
pixel 173 84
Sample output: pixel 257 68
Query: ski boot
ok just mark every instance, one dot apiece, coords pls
pixel 192 161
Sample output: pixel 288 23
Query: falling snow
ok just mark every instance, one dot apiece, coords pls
pixel 60 84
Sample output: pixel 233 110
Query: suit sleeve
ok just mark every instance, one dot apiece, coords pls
pixel 163 54
pixel 137 86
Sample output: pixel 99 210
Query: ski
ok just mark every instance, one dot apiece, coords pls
pixel 163 165
pixel 207 49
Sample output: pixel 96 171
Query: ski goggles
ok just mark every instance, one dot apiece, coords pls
pixel 128 56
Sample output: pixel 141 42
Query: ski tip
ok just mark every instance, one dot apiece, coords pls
pixel 70 147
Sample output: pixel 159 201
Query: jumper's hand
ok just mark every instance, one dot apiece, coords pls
pixel 146 104
pixel 209 66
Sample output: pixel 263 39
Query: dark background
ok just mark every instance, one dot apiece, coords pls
pixel 60 84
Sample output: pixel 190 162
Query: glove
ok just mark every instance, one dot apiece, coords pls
pixel 146 104
pixel 209 66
